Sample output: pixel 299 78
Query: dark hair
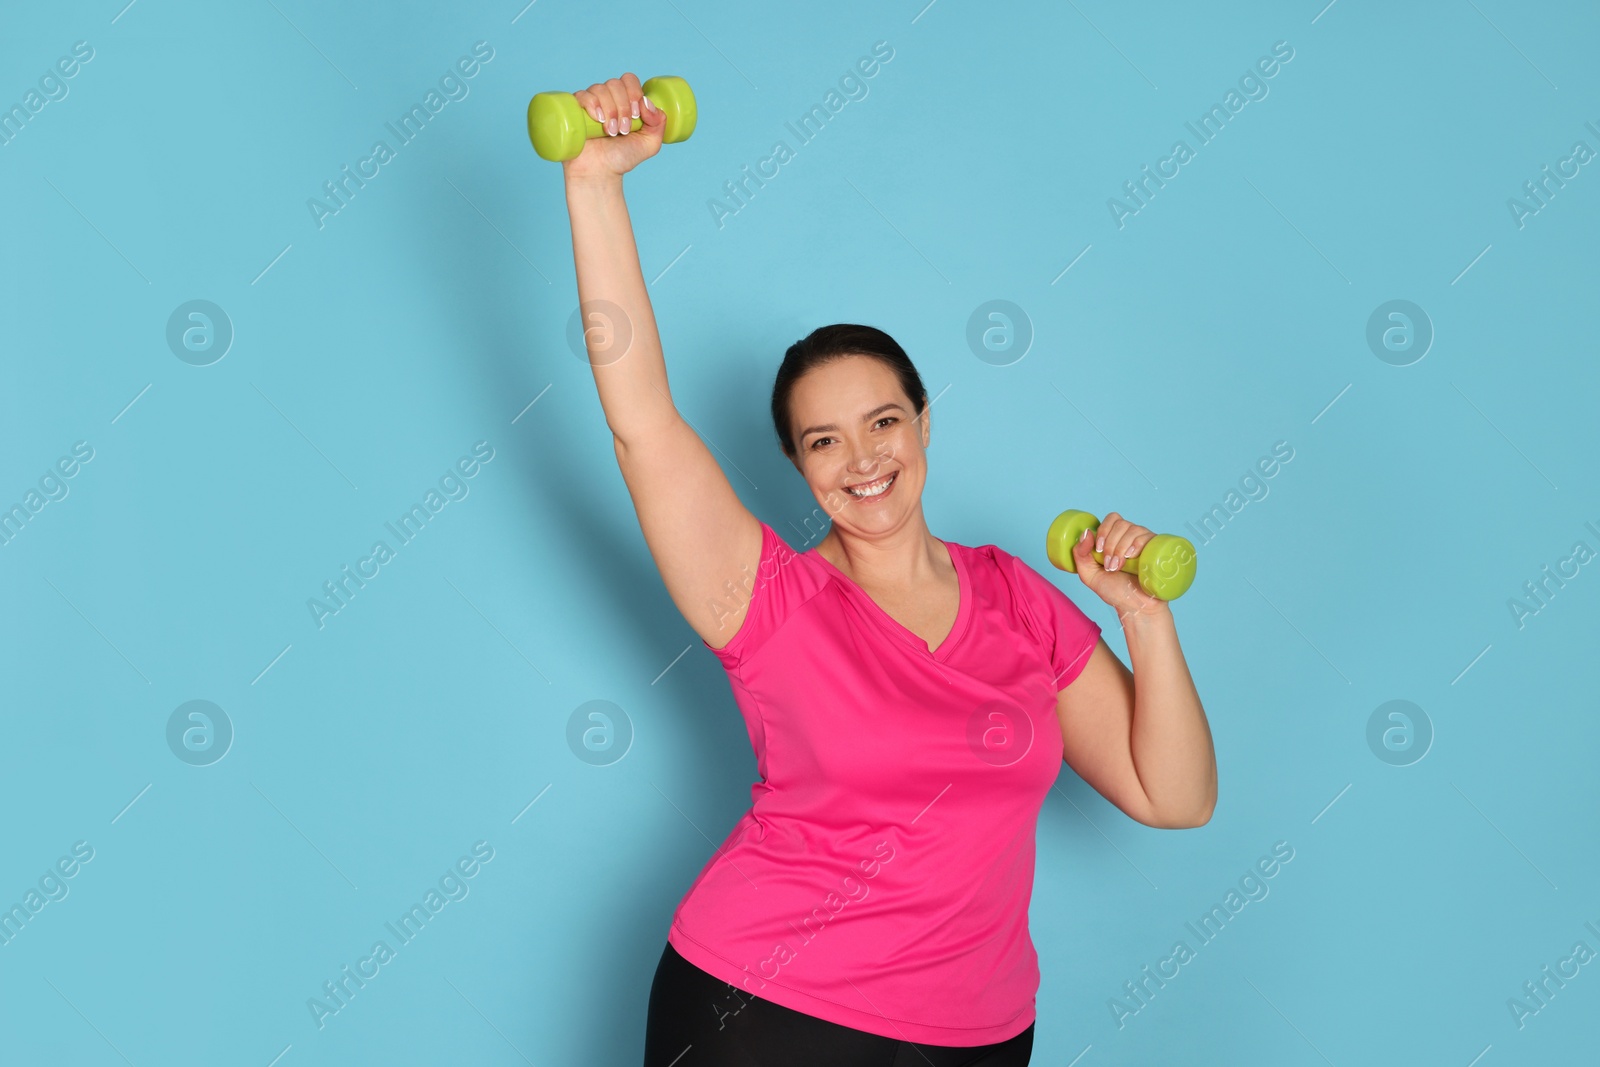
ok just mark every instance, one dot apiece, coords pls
pixel 827 344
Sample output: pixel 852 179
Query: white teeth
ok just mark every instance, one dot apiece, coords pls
pixel 881 487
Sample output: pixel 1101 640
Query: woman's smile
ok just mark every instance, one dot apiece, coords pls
pixel 873 491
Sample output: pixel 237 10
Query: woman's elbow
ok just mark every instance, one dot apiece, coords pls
pixel 1188 820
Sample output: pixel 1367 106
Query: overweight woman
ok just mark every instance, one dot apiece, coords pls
pixel 909 700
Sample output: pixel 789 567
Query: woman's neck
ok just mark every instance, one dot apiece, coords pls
pixel 899 560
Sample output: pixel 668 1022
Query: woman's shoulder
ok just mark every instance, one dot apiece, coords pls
pixel 783 581
pixel 777 555
pixel 1037 604
pixel 989 560
pixel 997 574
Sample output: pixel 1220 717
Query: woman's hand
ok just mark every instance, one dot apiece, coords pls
pixel 615 104
pixel 1118 539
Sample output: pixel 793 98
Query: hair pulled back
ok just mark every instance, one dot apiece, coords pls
pixel 827 344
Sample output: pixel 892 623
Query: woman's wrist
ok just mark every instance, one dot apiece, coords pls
pixel 1146 617
pixel 590 184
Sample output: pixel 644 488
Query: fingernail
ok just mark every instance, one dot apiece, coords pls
pixel 1083 536
pixel 1100 544
pixel 647 103
pixel 636 109
pixel 599 116
pixel 1116 561
pixel 611 127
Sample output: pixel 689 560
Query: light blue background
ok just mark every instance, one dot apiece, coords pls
pixel 428 314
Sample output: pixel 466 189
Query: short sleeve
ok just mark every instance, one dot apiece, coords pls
pixel 780 584
pixel 1066 633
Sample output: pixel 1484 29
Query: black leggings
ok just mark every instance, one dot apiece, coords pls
pixel 697 1020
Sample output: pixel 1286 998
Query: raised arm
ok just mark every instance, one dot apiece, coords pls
pixel 705 542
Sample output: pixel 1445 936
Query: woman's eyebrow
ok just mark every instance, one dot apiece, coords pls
pixel 880 409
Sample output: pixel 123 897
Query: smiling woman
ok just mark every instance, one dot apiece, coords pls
pixel 907 698
pixel 835 364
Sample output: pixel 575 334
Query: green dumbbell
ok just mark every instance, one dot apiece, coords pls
pixel 558 125
pixel 1164 566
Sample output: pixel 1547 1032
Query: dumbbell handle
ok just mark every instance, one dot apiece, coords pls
pixel 1164 567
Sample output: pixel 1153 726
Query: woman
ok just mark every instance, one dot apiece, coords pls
pixel 871 906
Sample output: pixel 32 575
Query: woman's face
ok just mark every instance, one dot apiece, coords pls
pixel 855 427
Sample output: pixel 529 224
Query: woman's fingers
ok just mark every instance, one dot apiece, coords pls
pixel 1137 536
pixel 1083 556
pixel 1106 539
pixel 604 107
pixel 652 115
pixel 635 108
pixel 1107 526
pixel 616 102
pixel 1117 544
pixel 1119 539
pixel 596 100
pixel 622 106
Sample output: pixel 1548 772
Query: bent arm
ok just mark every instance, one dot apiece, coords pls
pixel 1140 738
pixel 701 536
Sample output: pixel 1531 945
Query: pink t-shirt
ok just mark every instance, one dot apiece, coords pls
pixel 882 875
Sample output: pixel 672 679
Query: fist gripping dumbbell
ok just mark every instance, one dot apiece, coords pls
pixel 1165 566
pixel 558 125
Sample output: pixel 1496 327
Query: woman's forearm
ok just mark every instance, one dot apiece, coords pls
pixel 1170 739
pixel 618 323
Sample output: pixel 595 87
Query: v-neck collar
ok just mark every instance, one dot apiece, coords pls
pixel 963 608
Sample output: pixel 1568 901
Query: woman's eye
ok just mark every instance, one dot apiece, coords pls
pixel 886 418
